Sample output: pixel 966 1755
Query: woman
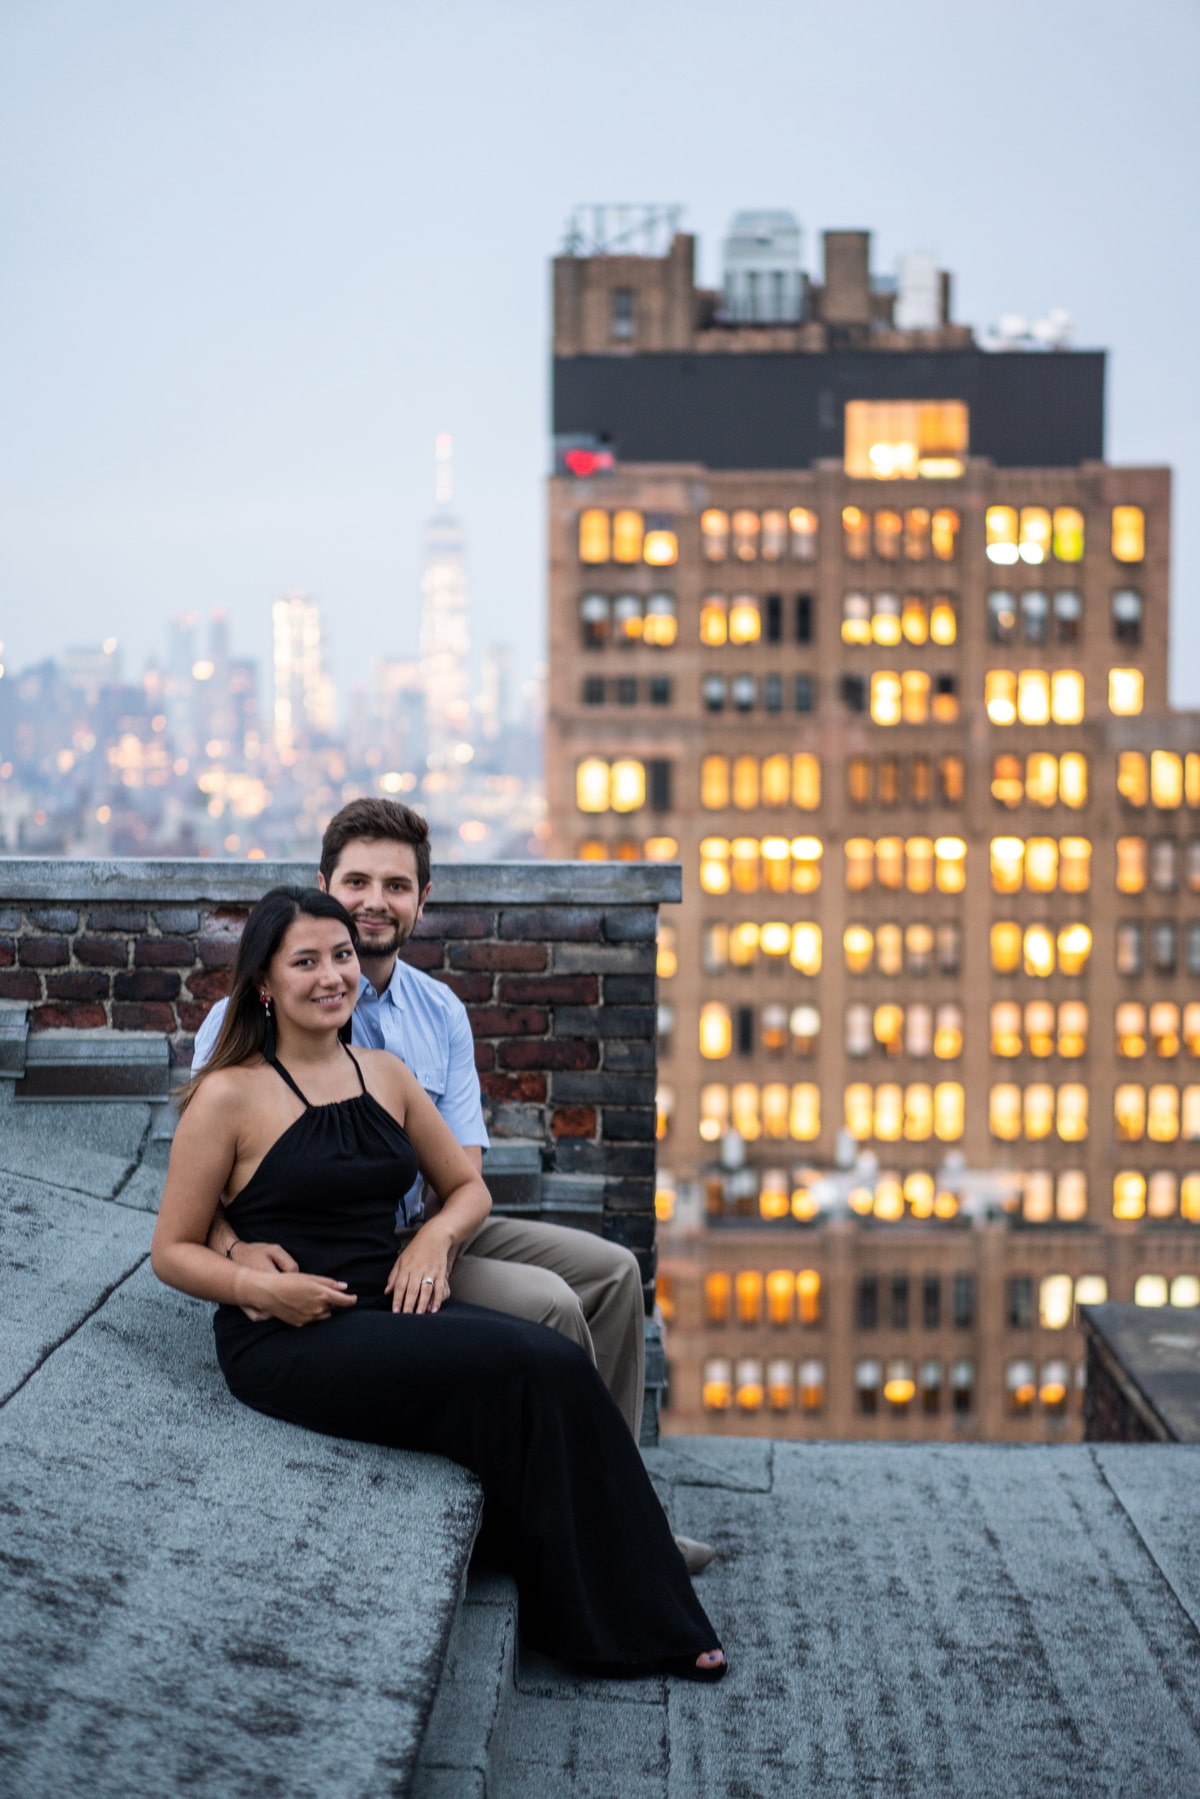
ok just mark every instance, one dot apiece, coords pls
pixel 313 1144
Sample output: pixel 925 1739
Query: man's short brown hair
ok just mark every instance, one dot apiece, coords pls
pixel 375 820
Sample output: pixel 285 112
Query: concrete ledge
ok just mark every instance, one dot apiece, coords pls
pixel 197 879
pixel 66 1064
pixel 1143 1373
pixel 14 1033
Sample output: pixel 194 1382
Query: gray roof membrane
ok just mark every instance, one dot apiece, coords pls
pixel 195 1599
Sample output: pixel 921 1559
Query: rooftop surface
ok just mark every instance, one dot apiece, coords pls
pixel 196 1599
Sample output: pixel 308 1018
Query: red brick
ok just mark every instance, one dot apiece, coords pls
pixel 164 952
pixel 457 921
pixel 560 924
pixel 214 984
pixel 573 1121
pixel 549 1052
pixel 146 983
pixel 467 986
pixel 508 1021
pixel 8 951
pixel 43 952
pixel 108 916
pixel 425 952
pixel 550 989
pixel 77 986
pixel 102 952
pixel 67 1017
pixel 524 956
pixel 144 1018
pixel 218 952
pixel 220 935
pixel 192 1015
pixel 485 1056
pixel 20 986
pixel 513 1086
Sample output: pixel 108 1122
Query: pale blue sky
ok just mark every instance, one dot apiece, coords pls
pixel 256 255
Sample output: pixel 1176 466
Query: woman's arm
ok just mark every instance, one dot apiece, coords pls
pixel 420 1278
pixel 202 1158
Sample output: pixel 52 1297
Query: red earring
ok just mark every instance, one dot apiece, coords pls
pixel 266 1003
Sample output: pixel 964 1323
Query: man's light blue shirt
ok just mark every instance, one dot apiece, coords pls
pixel 422 1022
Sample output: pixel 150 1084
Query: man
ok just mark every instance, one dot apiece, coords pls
pixel 375 860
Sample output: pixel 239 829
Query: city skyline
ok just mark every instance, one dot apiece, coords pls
pixel 235 336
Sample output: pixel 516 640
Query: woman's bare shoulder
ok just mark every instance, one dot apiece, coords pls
pixel 386 1073
pixel 225 1094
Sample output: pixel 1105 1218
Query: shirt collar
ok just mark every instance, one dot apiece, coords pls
pixel 389 995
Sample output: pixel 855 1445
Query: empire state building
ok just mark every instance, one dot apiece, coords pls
pixel 444 631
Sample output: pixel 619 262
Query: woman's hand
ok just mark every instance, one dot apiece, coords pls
pixel 263 1258
pixel 298 1299
pixel 420 1277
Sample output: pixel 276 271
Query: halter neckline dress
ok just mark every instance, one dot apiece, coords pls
pixel 568 1506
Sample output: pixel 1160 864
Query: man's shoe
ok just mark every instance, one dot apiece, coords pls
pixel 696 1556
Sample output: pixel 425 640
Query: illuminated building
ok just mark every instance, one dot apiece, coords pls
pixel 850 617
pixel 445 626
pixel 304 695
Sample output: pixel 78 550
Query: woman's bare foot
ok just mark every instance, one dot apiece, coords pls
pixel 711 1660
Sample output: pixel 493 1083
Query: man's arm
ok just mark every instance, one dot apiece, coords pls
pixel 460 1105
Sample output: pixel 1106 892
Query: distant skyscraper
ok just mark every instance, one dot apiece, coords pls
pixel 303 690
pixel 444 633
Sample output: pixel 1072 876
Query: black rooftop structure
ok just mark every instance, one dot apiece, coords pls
pixel 1028 409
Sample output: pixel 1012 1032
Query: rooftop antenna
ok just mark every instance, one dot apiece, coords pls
pixel 443 469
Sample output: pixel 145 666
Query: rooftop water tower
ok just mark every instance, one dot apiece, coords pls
pixel 763 281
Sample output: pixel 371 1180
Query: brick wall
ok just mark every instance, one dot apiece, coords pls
pixel 554 962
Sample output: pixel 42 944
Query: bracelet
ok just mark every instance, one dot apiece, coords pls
pixel 232 1245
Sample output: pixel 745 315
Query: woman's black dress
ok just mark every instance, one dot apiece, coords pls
pixel 567 1502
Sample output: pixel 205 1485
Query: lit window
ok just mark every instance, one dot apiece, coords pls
pixel 860 863
pixel 906 438
pixel 1164 1028
pixel 889 533
pixel 858 945
pixel 1034 544
pixel 1074 948
pixel 628 786
pixel 668 957
pixel 1129 1113
pixel 1132 783
pixel 592 786
pixel 773 541
pixel 744 851
pixel 1007 786
pixel 1039 1027
pixel 918 1030
pixel 1041 779
pixel 717 1391
pixel 716 1031
pixel 745 535
pixel 804 1025
pixel 714 620
pixel 916 534
pixel 1150 1290
pixel 1033 697
pixel 1021 1386
pixel 950 856
pixel 660 547
pixel 714 785
pixel 661 625
pixel 1191 1028
pixel 891 945
pixel 627 533
pixel 1125 690
pixel 1007 862
pixel 1071 1112
pixel 859 1110
pixel 914 620
pixel 714 1112
pixel 745 622
pixel 1072 1028
pixel 743 945
pixel 856 533
pixel 594 537
pixel 1066 696
pixel 899 1388
pixel 1189 1198
pixel 885 621
pixel 914 688
pixel 1128 533
pixel 1129 1194
pixel 714 865
pixel 806 781
pixel 1074 864
pixel 804 1114
pixel 889 862
pixel 948 1035
pixel 889 1028
pixel 748 1287
pixel 1002 530
pixel 1056 1302
pixel 811 1378
pixel 885 698
pixel 943 534
pixel 1068 534
pixel 806 864
pixel 745 782
pixel 1166 779
pixel 1163 861
pixel 1006 1029
pixel 780 1391
pixel 1185 1290
pixel 744 1102
pixel 1006 947
pixel 856 618
pixel 1131 1029
pixel 660 849
pixel 627 618
pixel 802 523
pixel 1190 1125
pixel 1038 950
pixel 1072 780
pixel 1131 864
pixel 948 1111
pixel 1162 1114
pixel 943 622
pixel 1000 696
pixel 714 534
pixel 718 1289
pixel 806 948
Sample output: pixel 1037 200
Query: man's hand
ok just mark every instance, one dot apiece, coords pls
pixel 420 1277
pixel 300 1299
pixel 263 1258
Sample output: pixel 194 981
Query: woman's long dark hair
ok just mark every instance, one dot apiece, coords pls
pixel 246 1031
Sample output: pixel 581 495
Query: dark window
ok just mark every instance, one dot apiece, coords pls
pixel 743 691
pixel 1129 947
pixel 622 312
pixel 868 1303
pixel 660 785
pixel 944 687
pixel 804 618
pixel 920 781
pixel 889 781
pixel 773 693
pixel 1001 617
pixel 805 694
pixel 1127 616
pixel 660 690
pixel 899 1302
pixel 1193 949
pixel 626 691
pixel 931 1302
pixel 962 1387
pixel 1162 947
pixel 593 690
pixel 594 620
pixel 773 619
pixel 949 948
pixel 712 691
pixel 951 780
pixel 1068 615
pixel 854 693
pixel 964 1301
pixel 745 1030
pixel 1020 1303
pixel 1035 613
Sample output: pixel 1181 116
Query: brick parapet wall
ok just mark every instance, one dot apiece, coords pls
pixel 555 963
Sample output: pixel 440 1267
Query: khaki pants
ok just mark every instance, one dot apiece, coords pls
pixel 577 1283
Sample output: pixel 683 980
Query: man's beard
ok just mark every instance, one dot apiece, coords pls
pixel 381 943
